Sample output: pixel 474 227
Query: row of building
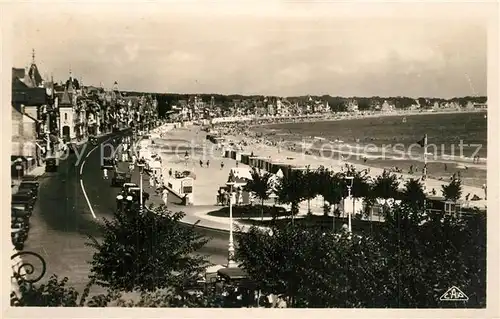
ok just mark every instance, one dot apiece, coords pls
pixel 46 113
pixel 194 108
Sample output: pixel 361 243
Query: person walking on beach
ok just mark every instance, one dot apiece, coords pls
pixel 201 163
pixel 208 163
pixel 105 173
pixel 221 165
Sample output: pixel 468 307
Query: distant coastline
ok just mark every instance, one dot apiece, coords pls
pixel 347 116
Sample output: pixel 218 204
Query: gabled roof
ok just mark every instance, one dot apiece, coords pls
pixel 17 84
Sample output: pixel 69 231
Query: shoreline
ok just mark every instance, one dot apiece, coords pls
pixel 304 160
pixel 349 116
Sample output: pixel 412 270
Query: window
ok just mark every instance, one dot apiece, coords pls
pixel 65 116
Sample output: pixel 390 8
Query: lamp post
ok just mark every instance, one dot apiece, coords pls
pixel 349 180
pixel 140 164
pixel 230 261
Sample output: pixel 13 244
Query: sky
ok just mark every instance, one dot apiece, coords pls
pixel 283 49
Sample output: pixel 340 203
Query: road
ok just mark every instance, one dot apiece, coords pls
pixel 62 218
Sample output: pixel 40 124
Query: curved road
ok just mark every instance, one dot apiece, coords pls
pixel 62 218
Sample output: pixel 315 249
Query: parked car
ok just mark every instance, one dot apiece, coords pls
pixel 33 193
pixel 51 164
pixel 120 178
pixel 126 187
pixel 93 140
pixel 18 237
pixel 108 164
pixel 23 198
pixel 30 178
pixel 29 185
pixel 18 212
pixel 21 221
pixel 135 192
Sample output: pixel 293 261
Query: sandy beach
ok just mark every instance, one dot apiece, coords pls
pixel 173 145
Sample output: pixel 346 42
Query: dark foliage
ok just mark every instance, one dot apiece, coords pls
pixel 452 191
pixel 146 251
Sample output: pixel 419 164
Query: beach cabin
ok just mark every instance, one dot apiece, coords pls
pixel 182 186
pixel 245 158
pixel 439 204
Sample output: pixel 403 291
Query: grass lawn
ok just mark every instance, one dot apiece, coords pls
pixel 246 211
pixel 323 222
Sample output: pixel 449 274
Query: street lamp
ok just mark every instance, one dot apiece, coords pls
pixel 349 181
pixel 230 261
pixel 140 164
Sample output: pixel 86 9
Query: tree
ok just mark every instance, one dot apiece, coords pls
pixel 413 193
pixel 146 251
pixel 290 190
pixel 452 191
pixel 54 293
pixel 311 189
pixel 386 186
pixel 260 185
pixel 426 251
pixel 330 187
pixel 322 269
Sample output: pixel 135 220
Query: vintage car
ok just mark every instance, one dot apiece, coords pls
pixel 51 164
pixel 20 212
pixel 135 192
pixel 33 193
pixel 23 198
pixel 120 178
pixel 108 163
pixel 93 140
pixel 30 178
pixel 127 186
pixel 18 236
pixel 33 185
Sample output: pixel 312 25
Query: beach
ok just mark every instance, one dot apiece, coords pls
pixel 174 144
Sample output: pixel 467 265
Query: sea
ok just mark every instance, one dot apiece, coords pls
pixel 453 142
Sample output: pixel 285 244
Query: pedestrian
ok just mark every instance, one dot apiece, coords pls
pixel 208 163
pixel 170 172
pixel 165 196
pixel 221 165
pixel 445 167
pixel 105 173
pixel 201 163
